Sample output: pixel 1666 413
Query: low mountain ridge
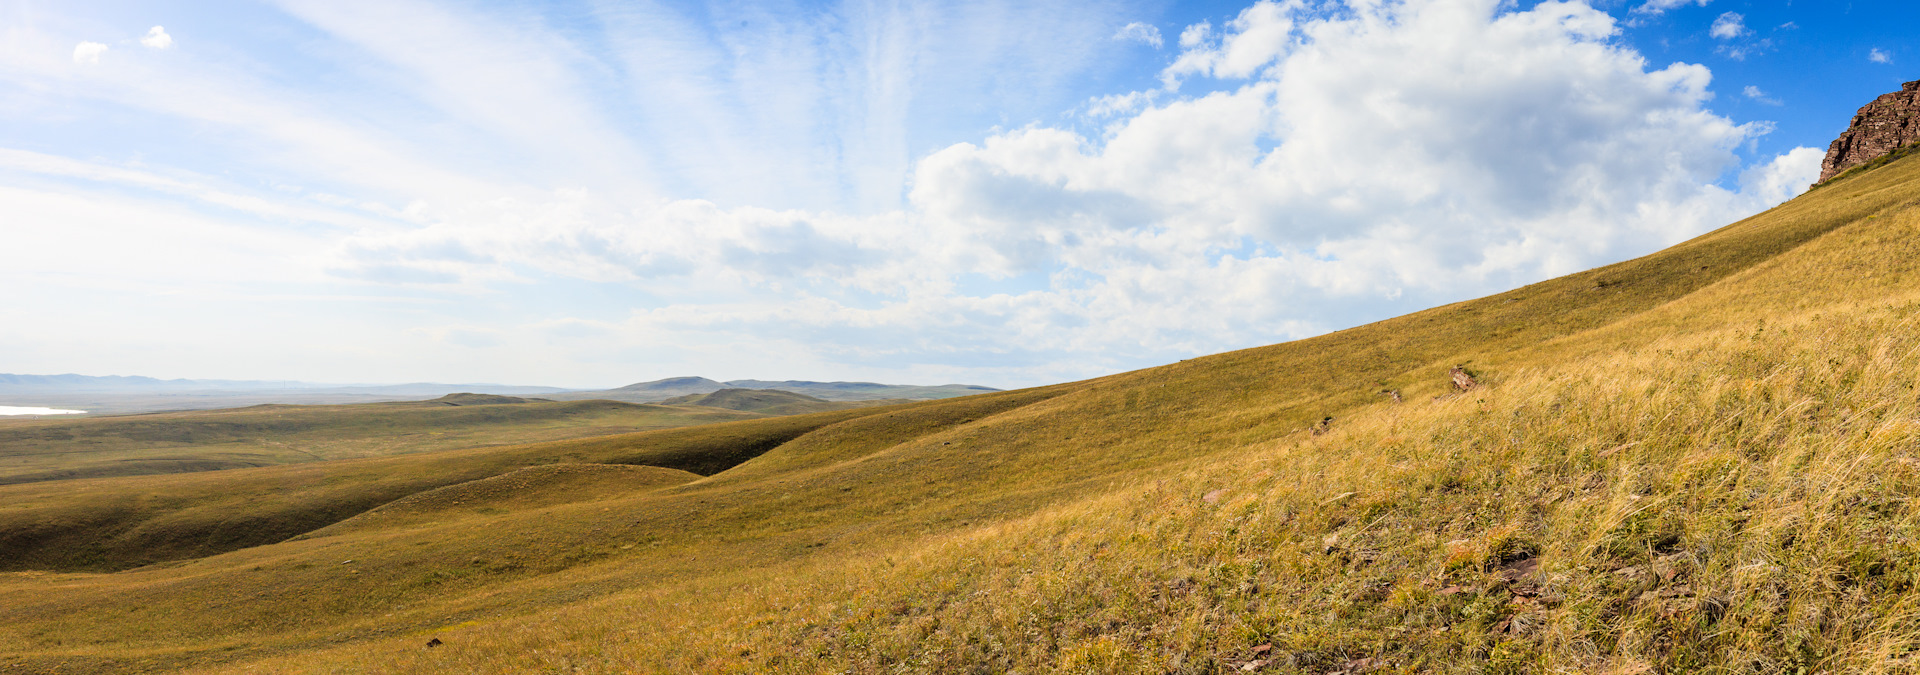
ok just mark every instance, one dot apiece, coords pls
pixel 467 398
pixel 663 389
pixel 690 384
pixel 111 395
pixel 861 391
pixel 13 383
pixel 765 401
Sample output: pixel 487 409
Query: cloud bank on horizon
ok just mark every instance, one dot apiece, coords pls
pixel 619 192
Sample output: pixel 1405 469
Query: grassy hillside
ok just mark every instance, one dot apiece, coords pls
pixel 38 450
pixel 123 522
pixel 1699 460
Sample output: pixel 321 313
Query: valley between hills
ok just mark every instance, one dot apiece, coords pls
pixel 1705 459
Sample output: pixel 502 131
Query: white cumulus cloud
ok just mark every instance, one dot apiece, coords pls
pixel 157 38
pixel 1784 178
pixel 1361 164
pixel 1728 26
pixel 1140 32
pixel 1258 36
pixel 88 52
pixel 1879 56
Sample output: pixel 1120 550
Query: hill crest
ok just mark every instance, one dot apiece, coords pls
pixel 769 401
pixel 468 398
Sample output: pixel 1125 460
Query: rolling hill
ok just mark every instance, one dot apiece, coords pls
pixel 1705 459
pixel 176 442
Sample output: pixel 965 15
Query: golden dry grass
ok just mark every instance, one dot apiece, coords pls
pixel 1749 516
pixel 1702 460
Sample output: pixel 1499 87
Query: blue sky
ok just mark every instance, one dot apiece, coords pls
pixel 995 192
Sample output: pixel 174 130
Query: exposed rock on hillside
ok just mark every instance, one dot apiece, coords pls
pixel 1887 124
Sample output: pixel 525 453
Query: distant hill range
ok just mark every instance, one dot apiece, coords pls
pixel 70 383
pixel 672 387
pixel 769 401
pixel 114 394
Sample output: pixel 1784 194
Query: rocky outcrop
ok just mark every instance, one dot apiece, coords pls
pixel 1887 124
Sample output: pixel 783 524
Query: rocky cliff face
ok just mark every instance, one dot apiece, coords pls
pixel 1887 124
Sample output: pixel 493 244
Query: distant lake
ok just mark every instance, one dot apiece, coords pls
pixel 11 410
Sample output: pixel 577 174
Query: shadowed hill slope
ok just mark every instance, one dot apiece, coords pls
pixel 521 489
pixel 117 523
pixel 1697 460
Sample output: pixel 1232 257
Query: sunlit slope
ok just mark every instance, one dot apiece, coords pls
pixel 36 450
pixel 1065 528
pixel 1718 481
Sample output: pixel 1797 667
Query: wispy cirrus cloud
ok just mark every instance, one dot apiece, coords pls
pixel 1140 32
pixel 1656 7
pixel 1756 94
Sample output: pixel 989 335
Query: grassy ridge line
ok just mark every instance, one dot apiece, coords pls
pixel 118 523
pixel 1726 497
pixel 1400 353
pixel 1869 261
pixel 1181 410
pixel 33 451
